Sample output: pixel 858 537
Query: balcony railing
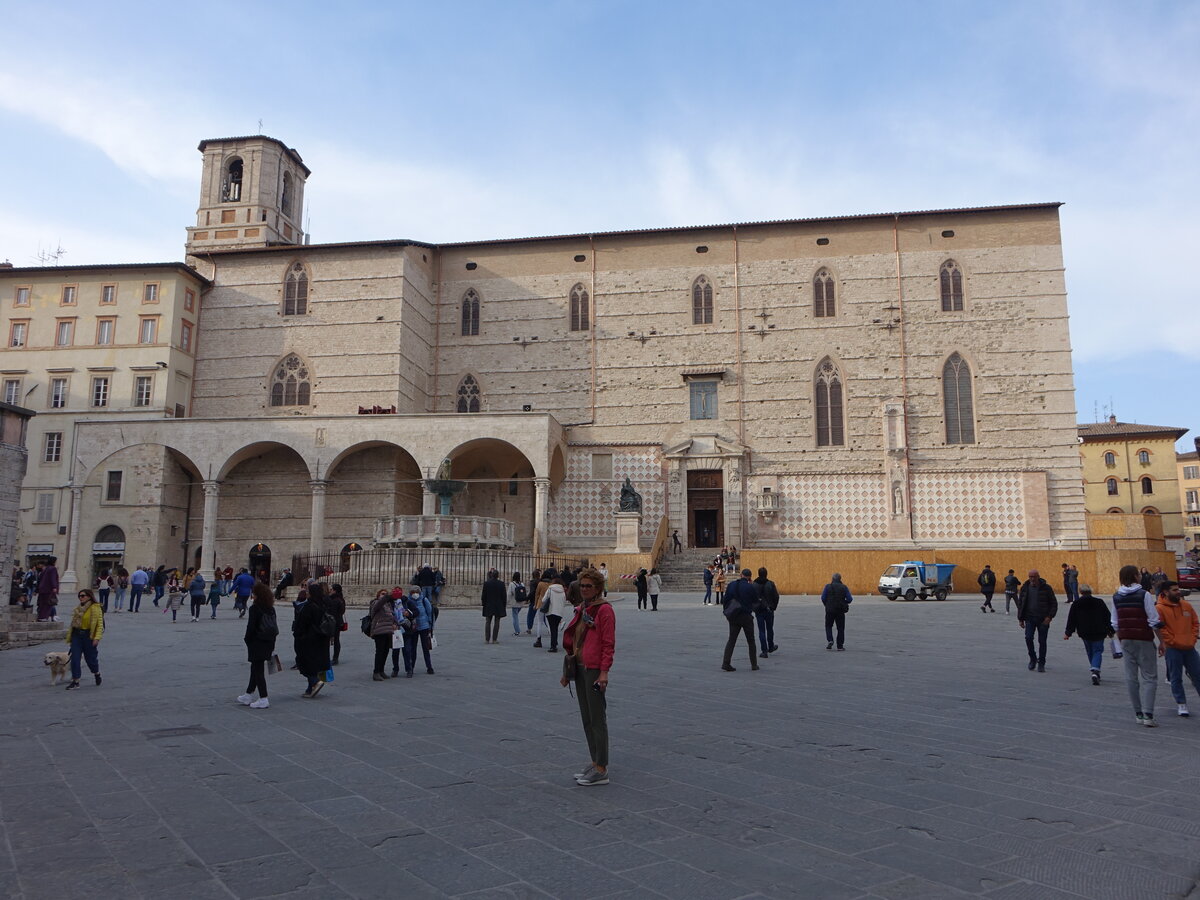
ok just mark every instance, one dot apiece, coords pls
pixel 444 531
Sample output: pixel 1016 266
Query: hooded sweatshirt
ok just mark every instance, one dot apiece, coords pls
pixel 1134 616
pixel 1179 624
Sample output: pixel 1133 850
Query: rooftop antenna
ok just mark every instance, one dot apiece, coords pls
pixel 260 126
pixel 1095 411
pixel 50 257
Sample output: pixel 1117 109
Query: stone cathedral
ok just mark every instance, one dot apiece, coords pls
pixel 894 380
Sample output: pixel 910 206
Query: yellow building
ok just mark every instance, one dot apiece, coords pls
pixel 1130 468
pixel 82 343
pixel 1188 472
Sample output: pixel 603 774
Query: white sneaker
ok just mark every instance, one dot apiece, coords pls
pixel 1183 710
pixel 245 699
pixel 263 703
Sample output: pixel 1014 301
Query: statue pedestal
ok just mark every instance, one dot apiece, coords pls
pixel 629 526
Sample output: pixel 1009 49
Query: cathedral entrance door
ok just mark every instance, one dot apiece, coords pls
pixel 260 562
pixel 706 508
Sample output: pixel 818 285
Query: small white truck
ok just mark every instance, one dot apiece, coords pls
pixel 913 579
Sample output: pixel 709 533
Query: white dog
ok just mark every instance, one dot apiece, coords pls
pixel 58 662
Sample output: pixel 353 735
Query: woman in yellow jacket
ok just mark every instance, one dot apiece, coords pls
pixel 87 627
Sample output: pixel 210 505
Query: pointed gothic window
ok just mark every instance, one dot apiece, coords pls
pixel 960 411
pixel 579 308
pixel 823 298
pixel 952 287
pixel 468 395
pixel 831 431
pixel 295 291
pixel 470 313
pixel 231 183
pixel 291 382
pixel 702 301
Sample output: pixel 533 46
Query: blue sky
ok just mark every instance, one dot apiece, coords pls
pixel 462 121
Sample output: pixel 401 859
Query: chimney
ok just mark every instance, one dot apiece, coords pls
pixel 6 265
pixel 1112 420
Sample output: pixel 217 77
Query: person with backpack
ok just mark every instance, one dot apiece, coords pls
pixel 987 587
pixel 312 629
pixel 590 641
pixel 836 599
pixel 738 604
pixel 764 613
pixel 261 631
pixel 494 598
pixel 518 597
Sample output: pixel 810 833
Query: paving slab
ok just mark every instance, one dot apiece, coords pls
pixel 925 761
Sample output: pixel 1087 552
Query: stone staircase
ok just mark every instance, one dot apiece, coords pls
pixel 20 628
pixel 681 571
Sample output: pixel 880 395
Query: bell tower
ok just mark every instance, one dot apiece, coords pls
pixel 251 195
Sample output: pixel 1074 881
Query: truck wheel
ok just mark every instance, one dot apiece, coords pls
pixel 940 595
pixel 891 596
pixel 910 595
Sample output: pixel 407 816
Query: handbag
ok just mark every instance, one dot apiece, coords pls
pixel 570 667
pixel 365 624
pixel 397 640
pixel 345 626
pixel 274 664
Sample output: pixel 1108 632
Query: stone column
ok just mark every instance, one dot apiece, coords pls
pixel 429 501
pixel 68 584
pixel 317 529
pixel 541 500
pixel 208 533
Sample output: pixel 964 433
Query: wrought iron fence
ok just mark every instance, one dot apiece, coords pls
pixel 388 567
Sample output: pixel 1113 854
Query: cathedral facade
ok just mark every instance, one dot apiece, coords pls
pixel 901 380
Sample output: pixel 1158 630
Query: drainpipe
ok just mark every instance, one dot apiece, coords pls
pixel 592 324
pixel 737 320
pixel 437 324
pixel 903 371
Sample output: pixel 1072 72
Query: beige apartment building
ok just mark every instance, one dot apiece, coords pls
pixel 1188 473
pixel 89 343
pixel 1130 468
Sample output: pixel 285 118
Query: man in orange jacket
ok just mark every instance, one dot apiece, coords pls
pixel 1177 640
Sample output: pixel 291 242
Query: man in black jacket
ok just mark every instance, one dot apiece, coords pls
pixel 1036 608
pixel 1090 617
pixel 987 587
pixel 739 601
pixel 764 613
pixel 495 606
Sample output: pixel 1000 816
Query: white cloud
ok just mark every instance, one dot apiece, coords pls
pixel 148 136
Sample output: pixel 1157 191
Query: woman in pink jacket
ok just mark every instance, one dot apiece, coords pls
pixel 590 640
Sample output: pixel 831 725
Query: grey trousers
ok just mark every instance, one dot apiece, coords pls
pixel 1141 659
pixel 593 710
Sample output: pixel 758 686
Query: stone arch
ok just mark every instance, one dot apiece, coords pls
pixel 488 465
pixel 367 481
pixel 264 496
pixel 256 449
